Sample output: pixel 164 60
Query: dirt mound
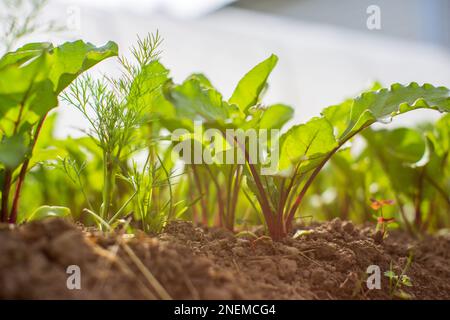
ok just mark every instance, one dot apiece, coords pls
pixel 329 261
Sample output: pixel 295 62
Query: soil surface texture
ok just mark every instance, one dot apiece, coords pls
pixel 327 261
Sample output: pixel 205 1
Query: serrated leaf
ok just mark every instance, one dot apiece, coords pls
pixel 382 105
pixel 202 79
pixel 24 53
pixel 370 107
pixel 72 58
pixel 339 115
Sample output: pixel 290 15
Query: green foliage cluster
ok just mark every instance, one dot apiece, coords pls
pixel 408 165
pixel 305 149
pixel 124 170
pixel 31 78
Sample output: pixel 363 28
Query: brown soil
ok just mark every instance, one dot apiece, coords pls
pixel 187 262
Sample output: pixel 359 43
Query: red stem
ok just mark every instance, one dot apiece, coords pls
pixel 265 207
pixel 305 188
pixel 310 180
pixel 5 195
pixel 23 172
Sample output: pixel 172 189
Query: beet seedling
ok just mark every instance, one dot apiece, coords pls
pixel 196 100
pixel 304 149
pixel 414 161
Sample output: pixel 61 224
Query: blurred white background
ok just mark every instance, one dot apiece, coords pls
pixel 326 51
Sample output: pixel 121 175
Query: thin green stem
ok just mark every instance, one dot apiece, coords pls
pixel 122 208
pixel 234 200
pixel 169 183
pixel 108 184
pixel 220 202
pixel 203 199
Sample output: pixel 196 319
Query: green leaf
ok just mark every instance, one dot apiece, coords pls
pixel 193 100
pixel 249 88
pixel 31 79
pixel 403 144
pixel 404 154
pixel 276 116
pixel 24 53
pixel 48 212
pixel 440 136
pixel 301 233
pixel 390 274
pixel 202 79
pixel 338 116
pixel 35 85
pixel 382 105
pixel 406 281
pixel 403 295
pixel 72 58
pixel 13 151
pixel 313 142
pixel 306 144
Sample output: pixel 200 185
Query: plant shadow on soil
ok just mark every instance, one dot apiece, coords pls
pixel 188 262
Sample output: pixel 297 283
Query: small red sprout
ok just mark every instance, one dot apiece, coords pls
pixel 382 222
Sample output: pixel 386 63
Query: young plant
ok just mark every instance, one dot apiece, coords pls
pixel 408 165
pixel 415 162
pixel 382 221
pixel 149 183
pixel 397 281
pixel 111 123
pixel 31 79
pixel 196 100
pixel 116 110
pixel 304 149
